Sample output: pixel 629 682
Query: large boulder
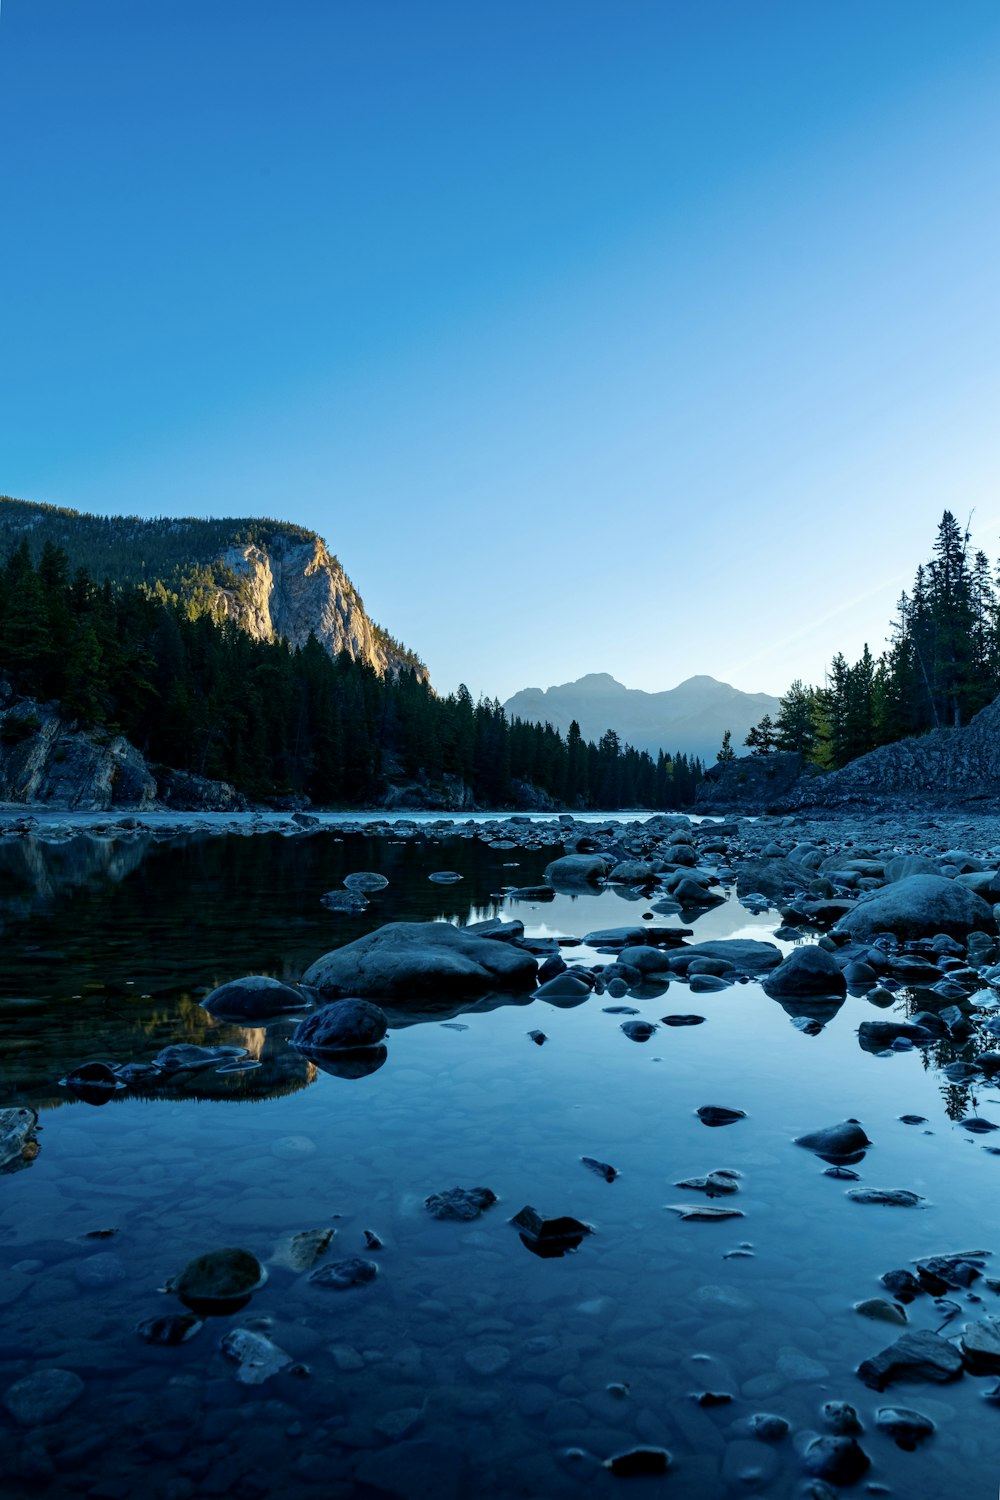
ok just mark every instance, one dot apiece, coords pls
pixel 918 906
pixel 419 960
pixel 341 1024
pixel 805 972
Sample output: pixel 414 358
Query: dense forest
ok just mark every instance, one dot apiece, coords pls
pixel 199 694
pixel 941 665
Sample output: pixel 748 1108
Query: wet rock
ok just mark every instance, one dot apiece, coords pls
pixel 842 1418
pixel 421 961
pixel 341 1025
pixel 256 997
pixel 94 1082
pixel 444 877
pixel 917 906
pixel 902 1284
pixel 300 1252
pixel 959 1270
pixel 184 1057
pixel 460 1203
pixel 344 901
pixel 169 1331
pixel 805 972
pixel 538 1037
pixel 880 1310
pixel 714 1184
pixel 680 1020
pixel 718 1114
pixel 638 1461
pixel 18 1147
pixel 616 937
pixel 372 1240
pixel 839 1460
pixel 843 1174
pixel 219 1281
pixel 341 1275
pixel 978 1126
pixel 906 1426
pixel 255 1357
pixel 703 1211
pixel 891 1197
pixel 365 880
pixel 349 1062
pixel 602 1168
pixel 638 1031
pixel 980 1344
pixel 915 1356
pixel 564 991
pixel 767 1427
pixel 42 1396
pixel 549 1238
pixel 746 955
pixel 877 1036
pixel 913 1119
pixel 711 1398
pixel 846 1141
pixel 572 871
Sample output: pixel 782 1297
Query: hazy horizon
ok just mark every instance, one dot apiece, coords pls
pixel 650 341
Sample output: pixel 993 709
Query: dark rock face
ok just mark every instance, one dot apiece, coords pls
pixel 45 758
pixel 254 998
pixel 749 784
pixel 185 792
pixel 339 1025
pixel 421 960
pixel 918 906
pixel 341 1275
pixel 806 972
pixel 549 1238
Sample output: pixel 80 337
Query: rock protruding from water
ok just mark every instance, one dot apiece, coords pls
pixel 915 1356
pixel 549 1238
pixel 806 972
pixel 220 1281
pixel 460 1203
pixel 917 906
pixel 18 1147
pixel 844 1142
pixel 420 961
pixel 255 1357
pixel 255 998
pixel 576 871
pixel 343 1024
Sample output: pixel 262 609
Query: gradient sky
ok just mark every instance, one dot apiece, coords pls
pixel 648 338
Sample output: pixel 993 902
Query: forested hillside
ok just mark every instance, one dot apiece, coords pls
pixel 202 695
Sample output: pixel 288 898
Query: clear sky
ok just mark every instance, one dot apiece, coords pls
pixel 649 338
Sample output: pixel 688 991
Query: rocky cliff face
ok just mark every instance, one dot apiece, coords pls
pixel 290 588
pixel 945 766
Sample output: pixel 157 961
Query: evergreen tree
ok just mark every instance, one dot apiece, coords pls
pixel 726 752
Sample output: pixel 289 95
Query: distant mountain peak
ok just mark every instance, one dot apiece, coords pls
pixel 688 719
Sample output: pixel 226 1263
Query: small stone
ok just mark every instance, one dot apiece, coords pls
pixel 703 1211
pixel 255 1357
pixel 639 1461
pixel 767 1427
pixel 906 1426
pixel 169 1331
pixel 601 1168
pixel 841 1418
pixel 881 1310
pixel 915 1356
pixel 717 1114
pixel 837 1459
pixel 890 1197
pixel 487 1359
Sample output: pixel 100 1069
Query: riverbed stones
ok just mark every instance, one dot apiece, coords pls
pixel 917 906
pixel 257 997
pixel 341 1275
pixel 880 1310
pixel 638 1031
pixel 420 960
pixel 255 1357
pixel 572 871
pixel 170 1330
pixel 889 1197
pixel 365 880
pixel 341 1024
pixel 904 1425
pixel 715 1115
pixel 18 1147
pixel 838 1460
pixel 980 1344
pixel 42 1396
pixel 915 1356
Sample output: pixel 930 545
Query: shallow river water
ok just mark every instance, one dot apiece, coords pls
pixel 469 1366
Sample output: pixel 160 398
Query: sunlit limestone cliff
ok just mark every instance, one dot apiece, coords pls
pixel 271 578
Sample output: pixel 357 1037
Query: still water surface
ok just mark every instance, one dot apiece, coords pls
pixel 469 1366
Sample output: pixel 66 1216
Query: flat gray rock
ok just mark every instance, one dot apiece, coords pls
pixel 421 960
pixel 575 870
pixel 915 1356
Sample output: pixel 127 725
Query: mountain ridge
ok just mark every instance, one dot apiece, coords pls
pixel 690 718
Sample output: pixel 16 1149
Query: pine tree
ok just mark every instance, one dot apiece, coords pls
pixel 727 752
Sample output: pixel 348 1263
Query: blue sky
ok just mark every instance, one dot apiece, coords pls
pixel 649 338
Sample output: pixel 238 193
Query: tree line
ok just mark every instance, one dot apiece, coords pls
pixel 197 693
pixel 941 666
